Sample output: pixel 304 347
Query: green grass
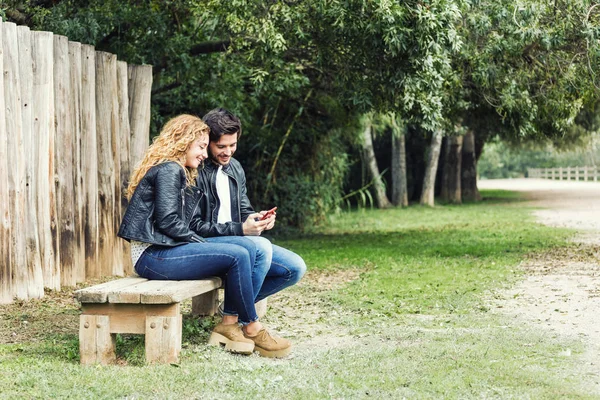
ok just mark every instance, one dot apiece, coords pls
pixel 411 320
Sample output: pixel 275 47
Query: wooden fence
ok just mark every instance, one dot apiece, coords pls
pixel 73 122
pixel 566 173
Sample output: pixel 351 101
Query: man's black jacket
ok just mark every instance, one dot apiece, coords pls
pixel 240 204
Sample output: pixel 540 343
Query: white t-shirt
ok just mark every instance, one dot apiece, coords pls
pixel 223 193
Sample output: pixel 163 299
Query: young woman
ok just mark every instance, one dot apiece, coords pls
pixel 159 222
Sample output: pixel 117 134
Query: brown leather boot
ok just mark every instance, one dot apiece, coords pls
pixel 269 346
pixel 232 337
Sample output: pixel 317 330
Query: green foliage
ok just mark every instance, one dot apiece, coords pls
pixel 523 66
pixel 310 171
pixel 296 71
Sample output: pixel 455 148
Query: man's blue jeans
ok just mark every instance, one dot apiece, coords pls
pixel 264 253
pixel 222 256
pixel 286 269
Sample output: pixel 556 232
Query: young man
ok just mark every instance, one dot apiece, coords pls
pixel 228 211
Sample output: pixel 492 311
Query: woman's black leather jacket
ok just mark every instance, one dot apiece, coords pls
pixel 162 208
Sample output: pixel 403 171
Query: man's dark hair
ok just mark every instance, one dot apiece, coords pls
pixel 222 122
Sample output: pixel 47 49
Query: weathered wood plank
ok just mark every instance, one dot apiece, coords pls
pixel 108 170
pixel 99 293
pixel 96 343
pixel 6 289
pixel 35 278
pixel 125 168
pixel 43 130
pixel 206 303
pixel 16 159
pixel 176 291
pixel 140 87
pixel 75 101
pixel 89 155
pixel 64 161
pixel 130 318
pixel 163 339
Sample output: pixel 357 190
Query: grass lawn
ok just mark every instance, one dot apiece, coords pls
pixel 397 304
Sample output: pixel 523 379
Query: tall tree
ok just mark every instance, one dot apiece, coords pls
pixel 369 156
pixel 451 174
pixel 433 156
pixel 399 175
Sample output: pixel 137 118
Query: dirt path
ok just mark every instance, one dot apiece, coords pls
pixel 562 289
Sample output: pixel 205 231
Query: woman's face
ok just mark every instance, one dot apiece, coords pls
pixel 196 153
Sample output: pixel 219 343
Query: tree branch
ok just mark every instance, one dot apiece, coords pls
pixel 215 46
pixel 166 88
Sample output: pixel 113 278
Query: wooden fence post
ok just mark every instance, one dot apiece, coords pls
pixel 43 129
pixel 124 135
pixel 64 161
pixel 108 169
pixel 74 104
pixel 140 86
pixel 89 155
pixel 6 289
pixel 35 278
pixel 16 159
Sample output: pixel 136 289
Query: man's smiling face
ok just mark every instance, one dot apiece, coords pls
pixel 222 151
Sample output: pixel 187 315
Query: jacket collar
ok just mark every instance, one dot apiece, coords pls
pixel 213 167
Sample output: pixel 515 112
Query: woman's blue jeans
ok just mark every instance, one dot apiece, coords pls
pixel 219 256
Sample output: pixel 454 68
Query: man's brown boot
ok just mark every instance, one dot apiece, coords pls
pixel 232 337
pixel 269 346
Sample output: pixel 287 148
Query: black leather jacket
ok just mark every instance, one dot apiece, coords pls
pixel 240 204
pixel 163 209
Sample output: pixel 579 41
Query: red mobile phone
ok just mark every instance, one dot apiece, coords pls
pixel 268 213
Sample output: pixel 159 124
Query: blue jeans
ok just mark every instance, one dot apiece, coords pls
pixel 216 257
pixel 286 269
pixel 264 254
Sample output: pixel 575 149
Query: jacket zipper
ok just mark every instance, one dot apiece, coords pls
pixel 183 204
pixel 237 187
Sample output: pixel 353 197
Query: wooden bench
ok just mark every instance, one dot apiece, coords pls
pixel 140 306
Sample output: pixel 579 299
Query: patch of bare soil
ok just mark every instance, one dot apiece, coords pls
pixel 301 316
pixel 35 320
pixel 561 292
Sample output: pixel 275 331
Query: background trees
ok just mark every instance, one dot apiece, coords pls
pixel 302 75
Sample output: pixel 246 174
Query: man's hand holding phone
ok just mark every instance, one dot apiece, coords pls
pixel 269 213
pixel 256 223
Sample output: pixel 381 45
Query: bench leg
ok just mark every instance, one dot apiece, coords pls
pixel 163 339
pixel 206 304
pixel 96 343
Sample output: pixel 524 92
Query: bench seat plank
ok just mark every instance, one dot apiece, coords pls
pixel 177 291
pixel 99 293
pixel 162 292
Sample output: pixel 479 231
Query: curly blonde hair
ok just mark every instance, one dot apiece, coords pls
pixel 171 145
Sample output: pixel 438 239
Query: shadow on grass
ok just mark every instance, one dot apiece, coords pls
pixel 497 196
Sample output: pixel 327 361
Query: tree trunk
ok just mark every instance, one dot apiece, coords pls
pixel 469 169
pixel 451 187
pixel 369 155
pixel 427 194
pixel 399 186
